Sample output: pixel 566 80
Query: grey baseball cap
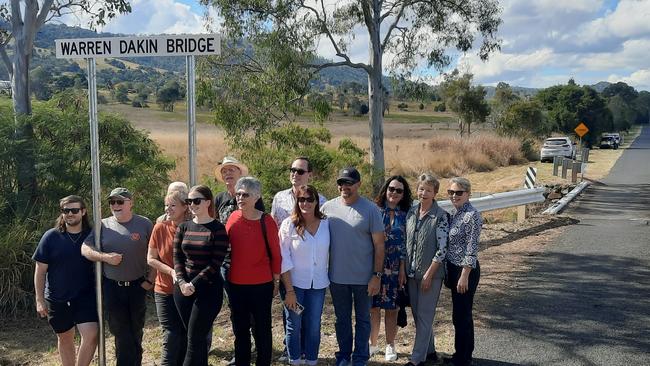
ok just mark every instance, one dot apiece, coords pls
pixel 120 192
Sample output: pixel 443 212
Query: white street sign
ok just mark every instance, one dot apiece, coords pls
pixel 168 45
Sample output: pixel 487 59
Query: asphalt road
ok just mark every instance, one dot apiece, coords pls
pixel 586 300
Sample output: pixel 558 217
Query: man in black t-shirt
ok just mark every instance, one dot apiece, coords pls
pixel 64 283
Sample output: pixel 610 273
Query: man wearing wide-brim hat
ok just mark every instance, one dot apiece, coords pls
pixel 127 277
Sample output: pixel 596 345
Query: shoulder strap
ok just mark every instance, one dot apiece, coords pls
pixel 266 240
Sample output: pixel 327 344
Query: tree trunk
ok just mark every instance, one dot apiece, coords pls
pixel 24 131
pixel 375 100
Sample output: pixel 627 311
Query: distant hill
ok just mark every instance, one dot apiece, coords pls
pixel 519 90
pixel 599 87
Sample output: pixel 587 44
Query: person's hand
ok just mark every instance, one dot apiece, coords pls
pixel 290 300
pixel 402 278
pixel 172 274
pixel 426 281
pixel 147 286
pixel 276 288
pixel 462 286
pixel 113 258
pixel 187 289
pixel 373 286
pixel 41 308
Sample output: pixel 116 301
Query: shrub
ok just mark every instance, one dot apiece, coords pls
pixel 363 109
pixel 529 150
pixel 402 106
pixel 421 106
pixel 61 147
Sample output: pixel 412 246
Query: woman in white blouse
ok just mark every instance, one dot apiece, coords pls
pixel 305 241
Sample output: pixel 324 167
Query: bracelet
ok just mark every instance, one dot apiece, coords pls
pixel 290 291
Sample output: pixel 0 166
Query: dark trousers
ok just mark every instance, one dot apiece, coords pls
pixel 252 301
pixel 462 312
pixel 174 335
pixel 197 313
pixel 125 309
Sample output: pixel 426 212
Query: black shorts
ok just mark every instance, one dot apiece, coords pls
pixel 62 316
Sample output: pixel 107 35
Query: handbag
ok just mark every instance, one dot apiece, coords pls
pixel 402 301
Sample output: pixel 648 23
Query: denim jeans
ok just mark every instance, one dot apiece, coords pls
pixel 198 312
pixel 462 313
pixel 125 309
pixel 174 335
pixel 252 301
pixel 344 298
pixel 306 325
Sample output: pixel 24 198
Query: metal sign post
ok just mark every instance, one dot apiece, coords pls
pixel 190 71
pixel 97 203
pixel 92 48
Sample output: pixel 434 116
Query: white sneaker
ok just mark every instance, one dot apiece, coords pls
pixel 373 350
pixel 391 355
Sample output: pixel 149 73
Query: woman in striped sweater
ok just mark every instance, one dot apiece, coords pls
pixel 200 246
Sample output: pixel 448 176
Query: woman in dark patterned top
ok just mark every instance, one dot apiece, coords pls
pixel 463 270
pixel 200 246
pixel 394 200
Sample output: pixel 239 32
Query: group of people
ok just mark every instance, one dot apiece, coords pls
pixel 369 254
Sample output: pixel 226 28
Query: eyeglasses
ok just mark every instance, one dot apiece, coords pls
pixel 395 190
pixel 196 201
pixel 457 193
pixel 116 202
pixel 242 195
pixel 66 211
pixel 306 199
pixel 297 171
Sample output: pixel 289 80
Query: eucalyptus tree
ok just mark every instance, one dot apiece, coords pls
pixel 410 31
pixel 20 20
pixel 466 100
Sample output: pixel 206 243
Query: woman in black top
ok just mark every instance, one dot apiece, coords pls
pixel 200 246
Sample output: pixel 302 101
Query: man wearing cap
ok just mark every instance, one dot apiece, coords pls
pixel 356 260
pixel 124 239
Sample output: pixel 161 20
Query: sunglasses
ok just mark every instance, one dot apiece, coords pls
pixel 457 193
pixel 116 202
pixel 68 210
pixel 297 171
pixel 196 201
pixel 395 190
pixel 306 199
pixel 242 195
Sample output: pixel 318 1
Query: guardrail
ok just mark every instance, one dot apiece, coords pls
pixel 498 201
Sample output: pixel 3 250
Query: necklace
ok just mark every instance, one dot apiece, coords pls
pixel 74 241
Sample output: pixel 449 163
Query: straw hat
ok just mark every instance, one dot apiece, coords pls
pixel 230 161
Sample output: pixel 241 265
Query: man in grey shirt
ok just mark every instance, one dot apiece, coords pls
pixel 124 238
pixel 356 264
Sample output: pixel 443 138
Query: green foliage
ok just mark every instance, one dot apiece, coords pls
pixel 464 99
pixel 121 93
pixel 529 149
pixel 524 118
pixel 61 148
pixel 568 105
pixel 168 95
pixel 440 107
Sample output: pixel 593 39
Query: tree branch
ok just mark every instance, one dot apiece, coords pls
pixel 358 65
pixel 398 17
pixel 43 14
pixel 16 16
pixel 6 60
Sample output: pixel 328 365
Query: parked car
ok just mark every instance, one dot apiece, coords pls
pixel 557 146
pixel 615 135
pixel 609 142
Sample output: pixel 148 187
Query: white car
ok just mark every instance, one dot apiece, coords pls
pixel 557 146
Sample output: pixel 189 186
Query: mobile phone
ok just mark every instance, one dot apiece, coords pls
pixel 299 308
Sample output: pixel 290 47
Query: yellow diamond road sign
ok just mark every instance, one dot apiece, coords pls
pixel 582 129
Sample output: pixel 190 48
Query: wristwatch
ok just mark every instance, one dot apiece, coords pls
pixel 377 274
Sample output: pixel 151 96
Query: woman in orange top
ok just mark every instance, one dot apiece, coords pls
pixel 254 274
pixel 160 257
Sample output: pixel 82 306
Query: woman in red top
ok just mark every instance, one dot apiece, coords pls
pixel 160 257
pixel 254 272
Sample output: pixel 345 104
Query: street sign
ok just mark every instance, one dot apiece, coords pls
pixel 166 45
pixel 582 129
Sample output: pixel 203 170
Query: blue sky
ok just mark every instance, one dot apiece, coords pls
pixel 545 42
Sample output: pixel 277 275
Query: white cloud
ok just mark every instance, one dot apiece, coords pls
pixel 156 17
pixel 640 79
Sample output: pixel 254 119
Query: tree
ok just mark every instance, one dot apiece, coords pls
pixel 121 93
pixel 168 95
pixel 524 118
pixel 19 23
pixel 467 101
pixel 410 29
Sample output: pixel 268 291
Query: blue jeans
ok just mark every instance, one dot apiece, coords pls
pixel 174 335
pixel 307 325
pixel 344 297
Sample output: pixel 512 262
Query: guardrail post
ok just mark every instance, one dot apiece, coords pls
pixel 521 214
pixel 565 167
pixel 557 161
pixel 575 169
pixel 585 154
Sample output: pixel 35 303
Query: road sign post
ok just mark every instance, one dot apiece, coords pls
pixel 114 47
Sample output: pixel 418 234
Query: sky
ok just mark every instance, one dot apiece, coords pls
pixel 544 42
